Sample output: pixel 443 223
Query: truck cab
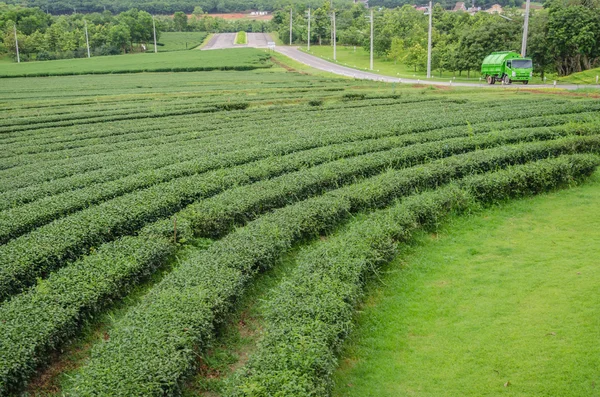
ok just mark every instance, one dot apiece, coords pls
pixel 506 66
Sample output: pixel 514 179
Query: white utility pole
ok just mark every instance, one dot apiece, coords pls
pixel 87 38
pixel 308 28
pixel 334 39
pixel 371 55
pixel 17 45
pixel 525 31
pixel 154 29
pixel 290 26
pixel 429 40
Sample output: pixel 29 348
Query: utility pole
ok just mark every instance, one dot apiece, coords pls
pixel 154 29
pixel 87 38
pixel 371 55
pixel 290 26
pixel 334 39
pixel 429 39
pixel 525 31
pixel 17 45
pixel 308 28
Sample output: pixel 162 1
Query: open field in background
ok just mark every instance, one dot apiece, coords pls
pixel 488 305
pixel 242 59
pixel 359 59
pixel 138 210
pixel 179 41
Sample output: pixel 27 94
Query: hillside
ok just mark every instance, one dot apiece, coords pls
pixel 585 77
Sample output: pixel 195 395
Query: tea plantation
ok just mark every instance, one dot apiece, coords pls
pixel 106 179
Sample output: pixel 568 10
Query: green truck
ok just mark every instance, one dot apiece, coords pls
pixel 506 66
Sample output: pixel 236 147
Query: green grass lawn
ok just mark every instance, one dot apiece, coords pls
pixel 240 38
pixel 504 302
pixel 232 59
pixel 178 41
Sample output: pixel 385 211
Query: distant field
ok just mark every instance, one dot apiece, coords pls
pixel 239 59
pixel 587 77
pixel 178 41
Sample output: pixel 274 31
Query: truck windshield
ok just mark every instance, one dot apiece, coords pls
pixel 521 64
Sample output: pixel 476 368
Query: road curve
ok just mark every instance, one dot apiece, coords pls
pixel 260 40
pixel 321 64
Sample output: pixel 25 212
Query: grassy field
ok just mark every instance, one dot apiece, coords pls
pixel 587 77
pixel 240 38
pixel 244 59
pixel 179 41
pixel 139 211
pixel 497 303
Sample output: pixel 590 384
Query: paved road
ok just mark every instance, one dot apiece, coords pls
pixel 259 40
pixel 226 40
pixel 220 41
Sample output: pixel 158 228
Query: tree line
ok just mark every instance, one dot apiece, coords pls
pixel 564 37
pixel 156 7
pixel 45 37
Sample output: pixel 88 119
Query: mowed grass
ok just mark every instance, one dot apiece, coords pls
pixel 504 302
pixel 178 41
pixel 586 77
pixel 238 59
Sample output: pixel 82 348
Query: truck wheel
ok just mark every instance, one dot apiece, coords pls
pixel 506 80
pixel 490 80
pixel 525 82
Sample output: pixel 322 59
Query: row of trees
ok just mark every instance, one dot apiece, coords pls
pixel 43 37
pixel 59 7
pixel 563 38
pixel 47 37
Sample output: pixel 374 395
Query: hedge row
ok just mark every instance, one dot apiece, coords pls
pixel 20 220
pixel 39 320
pixel 155 344
pixel 311 312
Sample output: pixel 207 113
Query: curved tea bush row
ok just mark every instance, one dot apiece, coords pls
pixel 215 216
pixel 39 320
pixel 311 312
pixel 17 221
pixel 414 121
pixel 202 126
pixel 156 343
pixel 46 248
